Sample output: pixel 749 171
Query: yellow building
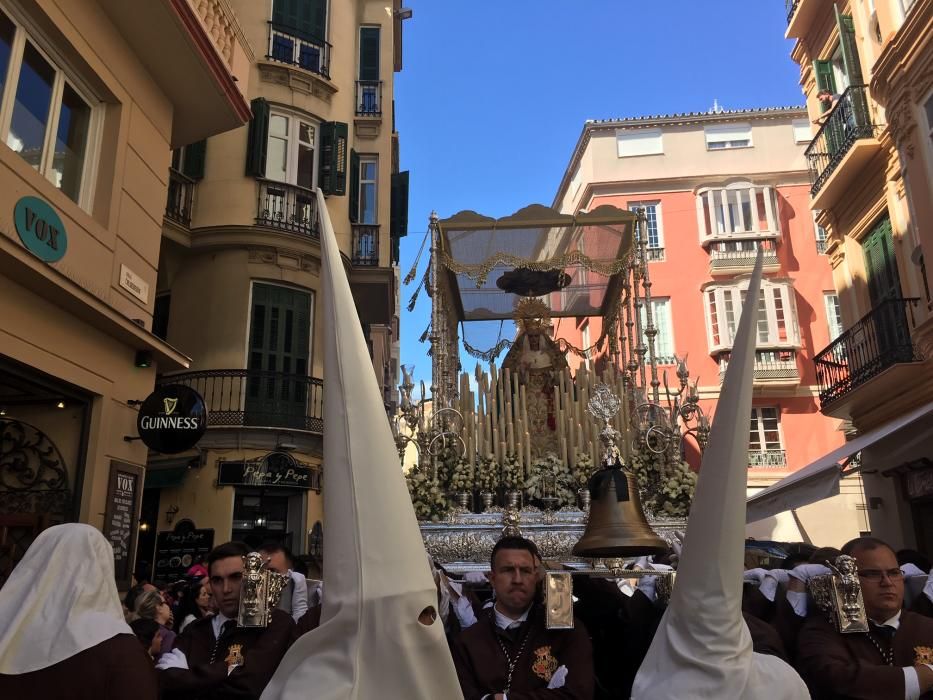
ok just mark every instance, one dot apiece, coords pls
pixel 239 277
pixel 90 108
pixel 871 168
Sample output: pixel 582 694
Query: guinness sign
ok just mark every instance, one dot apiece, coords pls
pixel 172 419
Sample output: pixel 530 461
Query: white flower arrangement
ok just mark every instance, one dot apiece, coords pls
pixel 461 480
pixel 427 496
pixel 582 470
pixel 511 473
pixel 549 477
pixel 667 488
pixel 487 473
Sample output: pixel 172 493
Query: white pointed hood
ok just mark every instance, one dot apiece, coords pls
pixel 703 648
pixel 370 645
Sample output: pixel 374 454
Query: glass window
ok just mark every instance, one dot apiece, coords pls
pixel 305 155
pixel 764 433
pixel 7 31
pixel 776 316
pixel 833 314
pixel 74 120
pixel 31 110
pixel 277 148
pixel 290 150
pixel 728 136
pixel 664 340
pixel 652 221
pixel 368 213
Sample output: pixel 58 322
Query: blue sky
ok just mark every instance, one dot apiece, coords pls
pixel 493 95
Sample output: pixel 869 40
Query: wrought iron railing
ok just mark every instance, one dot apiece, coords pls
pixel 365 245
pixel 288 207
pixel 369 98
pixel 877 341
pixel 724 253
pixel 791 7
pixel 180 197
pixel 767 458
pixel 259 399
pixel 848 122
pixel 285 46
pixel 769 364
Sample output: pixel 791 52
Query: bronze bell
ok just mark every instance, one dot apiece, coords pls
pixel 617 526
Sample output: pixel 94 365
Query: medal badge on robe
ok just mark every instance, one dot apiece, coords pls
pixel 923 655
pixel 544 664
pixel 234 655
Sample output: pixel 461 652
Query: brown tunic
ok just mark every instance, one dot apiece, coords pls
pixel 849 666
pixel 483 669
pixel 116 669
pixel 258 649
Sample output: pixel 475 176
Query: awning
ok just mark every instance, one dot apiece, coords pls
pixel 820 479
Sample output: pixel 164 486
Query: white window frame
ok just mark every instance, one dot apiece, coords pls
pixel 294 140
pixel 366 159
pixel 728 308
pixel 822 239
pixel 758 416
pixel 663 320
pixel 64 73
pixel 802 131
pixel 724 137
pixel 631 143
pixel 718 200
pixel 658 225
pixel 833 315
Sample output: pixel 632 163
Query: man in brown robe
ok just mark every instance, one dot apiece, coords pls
pixel 509 652
pixel 214 659
pixel 889 662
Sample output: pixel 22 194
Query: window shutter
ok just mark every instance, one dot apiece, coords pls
pixel 285 14
pixel 333 166
pixel 398 219
pixel 256 139
pixel 369 53
pixel 314 18
pixel 824 78
pixel 306 19
pixel 354 186
pixel 193 165
pixel 849 47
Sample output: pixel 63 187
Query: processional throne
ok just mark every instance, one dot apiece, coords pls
pixel 512 448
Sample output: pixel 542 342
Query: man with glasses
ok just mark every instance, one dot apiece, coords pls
pixel 893 660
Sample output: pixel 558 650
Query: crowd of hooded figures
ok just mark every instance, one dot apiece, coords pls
pixel 67 634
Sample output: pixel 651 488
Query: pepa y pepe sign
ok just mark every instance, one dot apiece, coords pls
pixel 275 469
pixel 172 419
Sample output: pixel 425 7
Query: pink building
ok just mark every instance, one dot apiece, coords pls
pixel 717 187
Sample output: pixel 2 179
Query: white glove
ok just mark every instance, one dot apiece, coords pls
pixel 755 575
pixel 804 572
pixel 660 567
pixel 769 584
pixel 475 577
pixel 315 593
pixel 172 659
pixel 464 612
pixel 641 563
pixel 648 586
pixel 558 679
pixel 625 587
pixel 677 544
pixel 798 601
pixel 300 595
pixel 928 588
pixel 909 569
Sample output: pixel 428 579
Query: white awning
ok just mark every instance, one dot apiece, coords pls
pixel 820 479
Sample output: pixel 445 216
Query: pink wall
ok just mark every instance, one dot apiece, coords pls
pixel 807 434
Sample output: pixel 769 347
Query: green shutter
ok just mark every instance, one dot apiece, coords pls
pixel 354 186
pixel 398 226
pixel 880 263
pixel 369 53
pixel 306 19
pixel 849 47
pixel 193 165
pixel 333 166
pixel 257 138
pixel 824 78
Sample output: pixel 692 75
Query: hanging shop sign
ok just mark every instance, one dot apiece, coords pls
pixel 178 550
pixel 172 419
pixel 40 229
pixel 124 493
pixel 275 469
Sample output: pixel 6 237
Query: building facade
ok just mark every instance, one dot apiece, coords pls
pixel 90 108
pixel 871 170
pixel 240 273
pixel 718 187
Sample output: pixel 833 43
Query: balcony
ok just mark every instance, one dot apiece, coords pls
pixel 843 145
pixel 365 245
pixel 286 46
pixel 771 367
pixel 369 98
pixel 739 212
pixel 242 398
pixel 879 341
pixel 735 257
pixel 801 15
pixel 767 459
pixel 180 198
pixel 287 207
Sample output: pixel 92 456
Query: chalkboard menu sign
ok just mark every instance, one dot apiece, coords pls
pixel 178 550
pixel 121 517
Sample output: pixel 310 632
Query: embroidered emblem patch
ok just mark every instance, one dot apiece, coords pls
pixel 544 664
pixel 234 655
pixel 923 655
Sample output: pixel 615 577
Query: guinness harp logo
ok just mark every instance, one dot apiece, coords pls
pixel 170 405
